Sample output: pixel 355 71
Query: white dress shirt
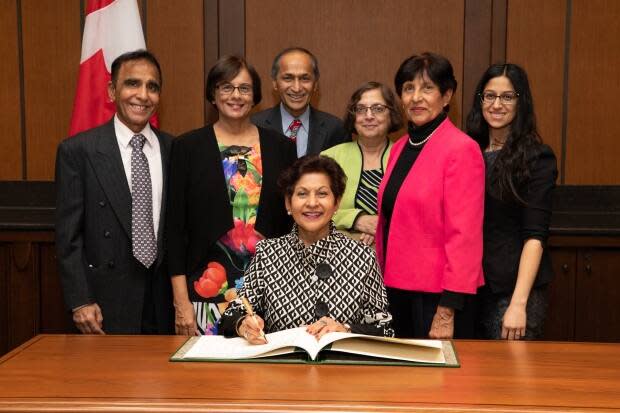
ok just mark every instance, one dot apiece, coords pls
pixel 153 156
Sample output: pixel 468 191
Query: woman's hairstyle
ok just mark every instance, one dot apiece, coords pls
pixel 396 118
pixel 435 66
pixel 511 165
pixel 313 164
pixel 225 70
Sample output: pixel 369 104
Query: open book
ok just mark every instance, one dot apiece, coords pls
pixel 367 349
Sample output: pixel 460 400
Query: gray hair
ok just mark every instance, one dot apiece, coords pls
pixel 275 67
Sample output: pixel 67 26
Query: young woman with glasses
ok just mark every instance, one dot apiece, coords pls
pixel 520 177
pixel 314 276
pixel 371 115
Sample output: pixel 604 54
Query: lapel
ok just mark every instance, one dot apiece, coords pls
pixel 427 164
pixel 108 167
pixel 274 120
pixel 397 148
pixel 268 159
pixel 164 149
pixel 316 133
pixel 386 155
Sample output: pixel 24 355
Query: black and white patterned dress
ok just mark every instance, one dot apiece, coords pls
pixel 284 290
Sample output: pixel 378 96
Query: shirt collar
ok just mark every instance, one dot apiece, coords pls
pixel 320 251
pixel 124 134
pixel 287 118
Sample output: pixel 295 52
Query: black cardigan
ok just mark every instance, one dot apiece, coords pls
pixel 199 210
pixel 508 224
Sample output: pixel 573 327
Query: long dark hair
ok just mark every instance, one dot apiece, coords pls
pixel 511 167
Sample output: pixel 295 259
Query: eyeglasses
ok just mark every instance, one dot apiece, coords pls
pixel 375 109
pixel 507 98
pixel 228 89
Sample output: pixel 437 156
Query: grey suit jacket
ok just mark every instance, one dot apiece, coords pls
pixel 325 130
pixel 93 233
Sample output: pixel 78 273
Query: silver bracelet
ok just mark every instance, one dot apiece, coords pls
pixel 239 321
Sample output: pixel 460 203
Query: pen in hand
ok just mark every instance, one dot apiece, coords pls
pixel 250 311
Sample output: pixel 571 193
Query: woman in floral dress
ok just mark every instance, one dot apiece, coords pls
pixel 223 199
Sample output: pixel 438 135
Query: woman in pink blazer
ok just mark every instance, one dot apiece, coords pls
pixel 431 204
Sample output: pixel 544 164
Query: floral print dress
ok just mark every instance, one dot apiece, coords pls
pixel 216 284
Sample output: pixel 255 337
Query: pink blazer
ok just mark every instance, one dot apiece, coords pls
pixel 435 236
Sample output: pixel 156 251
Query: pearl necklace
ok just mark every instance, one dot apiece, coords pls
pixel 416 144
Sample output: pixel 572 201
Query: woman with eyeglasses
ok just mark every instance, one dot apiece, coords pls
pixel 223 198
pixel 371 115
pixel 520 178
pixel 429 236
pixel 314 276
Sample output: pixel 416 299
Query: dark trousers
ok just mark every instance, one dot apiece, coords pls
pixel 157 313
pixel 149 315
pixel 413 312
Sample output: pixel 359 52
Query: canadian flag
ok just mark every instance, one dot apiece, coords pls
pixel 111 28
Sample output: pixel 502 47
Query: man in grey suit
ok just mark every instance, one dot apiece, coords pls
pixel 295 76
pixel 111 184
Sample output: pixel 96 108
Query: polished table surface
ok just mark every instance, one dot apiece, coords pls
pixel 132 373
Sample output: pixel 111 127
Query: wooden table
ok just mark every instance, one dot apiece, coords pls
pixel 132 373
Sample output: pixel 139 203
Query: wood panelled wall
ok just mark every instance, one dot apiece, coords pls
pixel 570 49
pixel 354 41
pixel 536 41
pixel 10 111
pixel 593 130
pixel 175 35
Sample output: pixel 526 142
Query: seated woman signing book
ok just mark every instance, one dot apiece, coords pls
pixel 314 276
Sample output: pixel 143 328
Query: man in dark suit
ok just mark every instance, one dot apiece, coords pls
pixel 111 186
pixel 295 75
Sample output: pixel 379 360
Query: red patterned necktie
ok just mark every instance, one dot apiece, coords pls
pixel 293 128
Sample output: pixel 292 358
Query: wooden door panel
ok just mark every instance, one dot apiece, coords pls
pixel 4 294
pixel 55 318
pixel 598 295
pixel 560 324
pixel 23 293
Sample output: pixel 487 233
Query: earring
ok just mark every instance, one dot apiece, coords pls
pixel 288 212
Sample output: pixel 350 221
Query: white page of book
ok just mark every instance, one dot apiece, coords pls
pixel 391 350
pixel 337 336
pixel 283 342
pixel 427 351
pixel 219 347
